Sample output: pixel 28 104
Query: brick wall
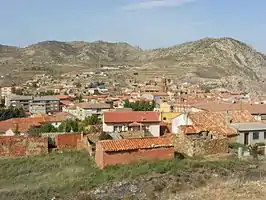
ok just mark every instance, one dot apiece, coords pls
pixel 67 141
pixel 72 142
pixel 15 146
pixel 199 146
pixel 126 157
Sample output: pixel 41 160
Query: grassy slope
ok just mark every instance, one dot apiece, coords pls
pixel 43 177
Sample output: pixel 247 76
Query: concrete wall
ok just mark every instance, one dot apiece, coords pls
pixel 178 121
pixel 104 159
pixel 241 136
pixel 15 146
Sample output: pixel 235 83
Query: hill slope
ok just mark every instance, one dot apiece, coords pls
pixel 230 61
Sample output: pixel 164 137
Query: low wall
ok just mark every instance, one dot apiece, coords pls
pixel 126 157
pixel 67 141
pixel 72 142
pixel 193 146
pixel 15 146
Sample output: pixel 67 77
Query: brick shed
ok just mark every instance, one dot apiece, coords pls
pixel 15 146
pixel 125 151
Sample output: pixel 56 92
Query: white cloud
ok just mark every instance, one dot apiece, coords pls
pixel 149 4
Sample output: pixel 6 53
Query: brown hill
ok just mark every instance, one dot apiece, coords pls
pixel 224 61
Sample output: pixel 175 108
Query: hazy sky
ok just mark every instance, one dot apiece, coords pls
pixel 146 23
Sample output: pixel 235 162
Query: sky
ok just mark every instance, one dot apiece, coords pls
pixel 144 23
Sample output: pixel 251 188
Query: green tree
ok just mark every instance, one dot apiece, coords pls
pixel 48 128
pixel 11 112
pixel 92 120
pixel 105 136
pixel 34 131
pixel 140 105
pixel 17 130
pixel 80 98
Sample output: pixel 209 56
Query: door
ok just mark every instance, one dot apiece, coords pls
pixel 246 138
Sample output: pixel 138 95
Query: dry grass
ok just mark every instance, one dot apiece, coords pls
pixel 66 174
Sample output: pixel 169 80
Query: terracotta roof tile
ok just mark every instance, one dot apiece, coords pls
pixel 188 129
pixel 24 123
pixel 132 116
pixel 66 102
pixel 217 122
pixel 61 96
pixel 134 144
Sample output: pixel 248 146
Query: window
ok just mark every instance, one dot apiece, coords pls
pixel 255 136
pixel 117 128
pixel 264 135
pixel 164 118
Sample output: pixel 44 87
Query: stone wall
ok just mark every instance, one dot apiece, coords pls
pixel 15 146
pixel 199 146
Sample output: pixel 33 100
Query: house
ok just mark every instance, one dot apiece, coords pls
pixel 5 91
pixel 218 124
pixel 165 107
pixel 19 101
pixel 250 133
pixel 22 125
pixel 152 88
pixel 146 121
pixel 125 151
pixel 193 143
pixel 258 111
pixel 84 110
pixel 44 104
pixel 168 116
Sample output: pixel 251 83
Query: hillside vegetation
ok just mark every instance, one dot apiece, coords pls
pixel 73 175
pixel 232 62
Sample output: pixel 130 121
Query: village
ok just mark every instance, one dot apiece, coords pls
pixel 122 124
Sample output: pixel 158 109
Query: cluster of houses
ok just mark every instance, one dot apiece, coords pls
pixel 215 118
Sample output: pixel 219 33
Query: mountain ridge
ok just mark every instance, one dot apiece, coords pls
pixel 207 58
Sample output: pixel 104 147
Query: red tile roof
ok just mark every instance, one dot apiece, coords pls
pixel 217 122
pixel 61 96
pixel 134 144
pixel 24 124
pixel 188 129
pixel 66 102
pixel 133 116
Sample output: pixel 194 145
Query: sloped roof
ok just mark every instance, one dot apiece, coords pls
pixel 223 106
pixel 188 129
pixel 133 116
pixel 24 124
pixel 93 105
pixel 134 144
pixel 217 122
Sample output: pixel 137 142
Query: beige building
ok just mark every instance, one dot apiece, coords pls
pixel 5 91
pixel 148 122
pixel 84 110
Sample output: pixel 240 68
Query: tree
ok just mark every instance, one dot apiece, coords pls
pixel 11 112
pixel 92 120
pixel 140 105
pixel 80 98
pixel 48 128
pixel 68 126
pixel 105 136
pixel 34 131
pixel 17 130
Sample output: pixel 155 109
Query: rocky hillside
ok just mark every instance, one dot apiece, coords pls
pixel 230 61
